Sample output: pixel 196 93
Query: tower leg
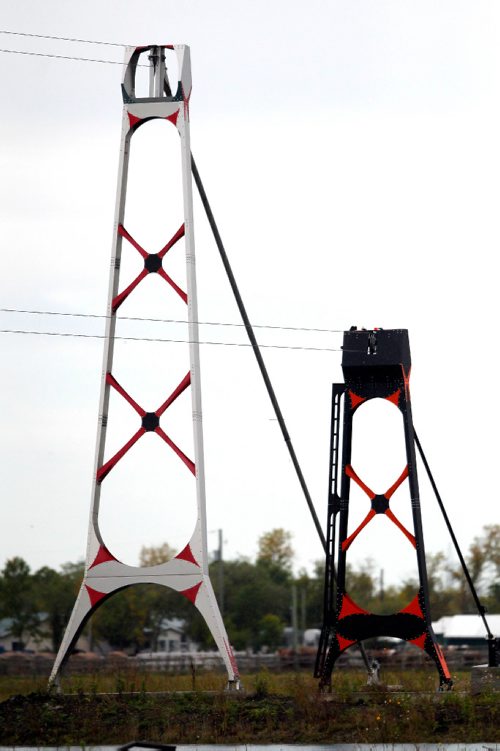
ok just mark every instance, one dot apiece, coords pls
pixel 207 605
pixel 82 611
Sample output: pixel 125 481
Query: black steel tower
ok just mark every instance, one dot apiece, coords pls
pixel 376 364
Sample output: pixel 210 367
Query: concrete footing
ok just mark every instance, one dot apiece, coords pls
pixel 484 680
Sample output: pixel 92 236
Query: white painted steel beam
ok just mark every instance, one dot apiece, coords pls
pixel 187 573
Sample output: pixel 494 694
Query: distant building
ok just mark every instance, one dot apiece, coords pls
pixel 40 642
pixel 172 636
pixel 465 629
pixel 7 643
pixel 310 637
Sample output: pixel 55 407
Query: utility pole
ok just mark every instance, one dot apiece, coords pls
pixel 220 572
pixel 295 641
pixel 303 611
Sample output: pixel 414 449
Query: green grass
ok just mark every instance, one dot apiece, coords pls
pixel 275 708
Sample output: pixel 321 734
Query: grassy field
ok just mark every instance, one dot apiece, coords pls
pixel 274 708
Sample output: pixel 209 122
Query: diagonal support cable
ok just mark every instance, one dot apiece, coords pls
pixel 256 350
pixel 480 607
pixel 264 373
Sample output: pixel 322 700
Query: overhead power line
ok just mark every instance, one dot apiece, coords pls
pixel 65 57
pixel 60 39
pixel 171 320
pixel 170 341
pixel 73 40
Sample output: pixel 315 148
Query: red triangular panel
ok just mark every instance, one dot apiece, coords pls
pixel 102 556
pixel 349 607
pixel 133 120
pixel 343 643
pixel 355 399
pixel 173 118
pixel 94 595
pixel 192 592
pixel 394 398
pixel 419 641
pixel 413 608
pixel 187 555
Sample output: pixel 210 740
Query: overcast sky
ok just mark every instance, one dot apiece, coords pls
pixel 350 152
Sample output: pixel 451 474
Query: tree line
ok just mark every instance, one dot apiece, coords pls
pixel 257 595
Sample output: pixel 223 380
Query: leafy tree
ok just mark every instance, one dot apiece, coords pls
pixel 360 583
pixel 121 620
pixel 483 562
pixel 251 592
pixel 17 600
pixel 54 596
pixel 310 596
pixel 154 555
pixel 484 556
pixel 275 552
pixel 270 632
pixel 491 537
pixel 74 573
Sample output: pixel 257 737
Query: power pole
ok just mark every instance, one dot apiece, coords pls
pixel 220 572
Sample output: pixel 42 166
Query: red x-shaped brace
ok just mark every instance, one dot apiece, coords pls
pixel 380 505
pixel 150 423
pixel 152 265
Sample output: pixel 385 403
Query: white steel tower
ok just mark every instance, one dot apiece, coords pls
pixel 187 573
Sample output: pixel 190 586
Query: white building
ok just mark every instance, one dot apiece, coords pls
pixel 465 629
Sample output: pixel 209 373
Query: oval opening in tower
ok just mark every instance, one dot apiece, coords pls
pixel 149 496
pixel 381 554
pixel 154 221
